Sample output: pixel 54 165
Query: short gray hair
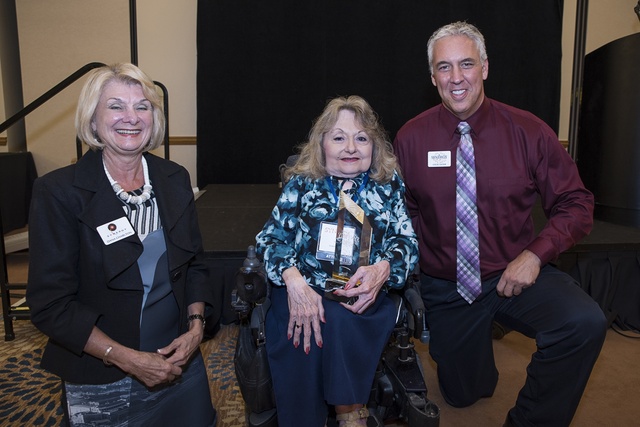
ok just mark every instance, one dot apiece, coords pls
pixel 459 28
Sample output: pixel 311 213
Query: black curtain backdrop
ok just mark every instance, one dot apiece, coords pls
pixel 266 69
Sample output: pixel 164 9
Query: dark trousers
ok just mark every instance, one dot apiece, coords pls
pixel 568 326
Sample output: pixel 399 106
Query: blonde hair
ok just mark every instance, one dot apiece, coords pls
pixel 90 96
pixel 312 162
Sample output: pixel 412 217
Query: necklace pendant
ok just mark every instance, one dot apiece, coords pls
pixel 126 196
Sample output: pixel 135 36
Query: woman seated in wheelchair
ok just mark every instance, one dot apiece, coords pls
pixel 337 239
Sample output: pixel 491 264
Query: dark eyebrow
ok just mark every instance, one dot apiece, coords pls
pixel 468 59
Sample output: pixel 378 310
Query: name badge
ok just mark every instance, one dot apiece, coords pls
pixel 327 241
pixel 439 159
pixel 116 230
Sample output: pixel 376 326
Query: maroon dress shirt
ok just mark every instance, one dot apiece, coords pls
pixel 518 161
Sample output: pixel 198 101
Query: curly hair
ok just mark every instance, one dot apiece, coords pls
pixel 90 96
pixel 311 162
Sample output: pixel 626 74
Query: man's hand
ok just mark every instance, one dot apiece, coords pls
pixel 519 274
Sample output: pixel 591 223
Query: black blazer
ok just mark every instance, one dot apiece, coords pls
pixel 76 281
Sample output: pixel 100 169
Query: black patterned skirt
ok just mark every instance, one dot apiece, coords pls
pixel 128 402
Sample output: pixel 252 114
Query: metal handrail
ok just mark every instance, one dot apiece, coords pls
pixel 68 82
pixel 165 98
pixel 48 95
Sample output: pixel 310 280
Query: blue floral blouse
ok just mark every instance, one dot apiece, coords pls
pixel 290 236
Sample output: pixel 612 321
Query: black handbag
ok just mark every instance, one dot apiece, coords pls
pixel 251 363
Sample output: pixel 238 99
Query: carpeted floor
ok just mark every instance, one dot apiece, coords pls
pixel 225 393
pixel 30 396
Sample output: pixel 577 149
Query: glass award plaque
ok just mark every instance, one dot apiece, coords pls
pixel 353 243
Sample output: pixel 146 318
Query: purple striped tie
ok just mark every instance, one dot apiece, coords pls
pixel 468 253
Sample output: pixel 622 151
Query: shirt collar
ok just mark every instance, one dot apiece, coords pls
pixel 477 120
pixel 357 179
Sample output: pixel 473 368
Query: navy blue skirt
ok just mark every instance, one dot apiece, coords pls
pixel 339 373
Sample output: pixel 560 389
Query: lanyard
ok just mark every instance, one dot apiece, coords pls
pixel 336 198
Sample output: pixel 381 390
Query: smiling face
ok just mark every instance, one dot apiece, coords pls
pixel 123 119
pixel 347 147
pixel 459 74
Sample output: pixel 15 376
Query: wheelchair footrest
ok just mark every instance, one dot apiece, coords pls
pixel 263 419
pixel 427 414
pixel 409 375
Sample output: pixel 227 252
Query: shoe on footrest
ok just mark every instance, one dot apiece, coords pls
pixel 351 419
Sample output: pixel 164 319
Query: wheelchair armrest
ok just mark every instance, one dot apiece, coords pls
pixel 414 300
pixel 416 308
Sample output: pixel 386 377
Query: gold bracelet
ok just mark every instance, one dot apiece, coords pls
pixel 106 354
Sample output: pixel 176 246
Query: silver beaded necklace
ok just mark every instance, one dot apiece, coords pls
pixel 128 197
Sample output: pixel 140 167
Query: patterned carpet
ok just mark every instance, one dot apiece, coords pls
pixel 30 396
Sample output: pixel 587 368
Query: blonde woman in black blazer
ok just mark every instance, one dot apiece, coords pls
pixel 117 279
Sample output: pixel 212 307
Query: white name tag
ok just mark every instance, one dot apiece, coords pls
pixel 327 241
pixel 439 159
pixel 116 230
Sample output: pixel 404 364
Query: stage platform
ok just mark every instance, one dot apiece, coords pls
pixel 230 216
pixel 606 263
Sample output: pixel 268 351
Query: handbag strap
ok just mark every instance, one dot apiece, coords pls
pixel 258 316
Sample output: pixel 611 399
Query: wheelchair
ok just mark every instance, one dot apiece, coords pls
pixel 398 392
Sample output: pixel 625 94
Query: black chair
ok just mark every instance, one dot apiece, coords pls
pixel 9 292
pixel 291 160
pixel 398 392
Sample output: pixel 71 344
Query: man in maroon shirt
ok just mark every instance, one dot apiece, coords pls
pixel 518 161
